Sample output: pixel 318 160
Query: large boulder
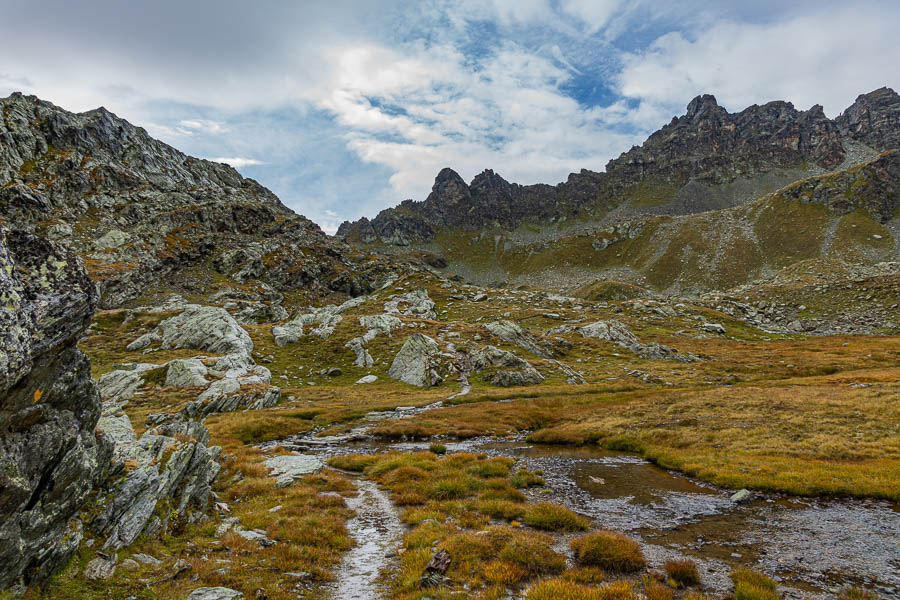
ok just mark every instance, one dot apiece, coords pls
pixel 418 362
pixel 50 454
pixel 513 370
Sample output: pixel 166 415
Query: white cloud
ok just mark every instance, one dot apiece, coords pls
pixel 202 125
pixel 826 57
pixel 506 112
pixel 595 13
pixel 237 161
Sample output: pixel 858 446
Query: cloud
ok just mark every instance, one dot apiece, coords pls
pixel 825 57
pixel 237 162
pixel 347 107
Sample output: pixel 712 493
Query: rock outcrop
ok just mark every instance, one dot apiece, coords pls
pixel 172 464
pixel 418 362
pixel 50 454
pixel 141 213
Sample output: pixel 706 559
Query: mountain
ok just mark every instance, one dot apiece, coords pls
pixel 694 186
pixel 140 213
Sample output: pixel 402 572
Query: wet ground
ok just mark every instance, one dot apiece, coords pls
pixel 812 547
pixel 377 531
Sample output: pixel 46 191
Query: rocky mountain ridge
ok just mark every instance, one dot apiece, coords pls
pixel 706 159
pixel 140 212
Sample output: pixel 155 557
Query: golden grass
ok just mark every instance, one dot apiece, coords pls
pixel 608 550
pixel 750 585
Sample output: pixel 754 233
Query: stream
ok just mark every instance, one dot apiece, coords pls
pixel 812 547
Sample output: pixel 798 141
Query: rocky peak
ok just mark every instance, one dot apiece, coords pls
pixel 488 180
pixel 448 188
pixel 702 106
pixel 874 119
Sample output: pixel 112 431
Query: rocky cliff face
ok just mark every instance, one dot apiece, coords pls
pixel 50 455
pixel 706 159
pixel 874 119
pixel 140 213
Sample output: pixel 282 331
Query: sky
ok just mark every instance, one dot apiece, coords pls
pixel 344 107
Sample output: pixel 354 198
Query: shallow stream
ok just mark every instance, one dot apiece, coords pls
pixel 813 547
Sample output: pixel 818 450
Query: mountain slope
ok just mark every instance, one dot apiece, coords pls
pixel 142 214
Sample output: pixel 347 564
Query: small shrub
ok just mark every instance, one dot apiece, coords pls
pixel 546 515
pixel 409 498
pixel 561 589
pixel 501 492
pixel 655 590
pixel 438 448
pixel 750 585
pixel 507 573
pixel 501 509
pixel 682 572
pixel 610 551
pixel 448 489
pixel 498 467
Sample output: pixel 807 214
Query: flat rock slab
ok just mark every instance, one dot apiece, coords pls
pixel 214 593
pixel 289 468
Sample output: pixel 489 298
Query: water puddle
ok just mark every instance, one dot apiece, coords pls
pixel 814 547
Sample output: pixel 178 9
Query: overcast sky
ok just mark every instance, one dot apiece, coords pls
pixel 346 107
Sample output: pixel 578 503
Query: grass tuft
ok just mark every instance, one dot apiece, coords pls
pixel 610 551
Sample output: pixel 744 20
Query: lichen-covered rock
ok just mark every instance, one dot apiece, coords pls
pixel 514 334
pixel 325 320
pixel 513 369
pixel 215 593
pixel 414 304
pixel 617 332
pixel 228 395
pixel 260 312
pixel 170 464
pixel 613 331
pixel 122 383
pixel 288 468
pixel 417 362
pixel 186 372
pixel 383 324
pixel 50 455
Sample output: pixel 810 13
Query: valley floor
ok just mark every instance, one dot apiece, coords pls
pixel 546 491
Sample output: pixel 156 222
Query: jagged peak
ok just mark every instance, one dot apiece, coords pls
pixel 488 179
pixel 447 174
pixel 701 104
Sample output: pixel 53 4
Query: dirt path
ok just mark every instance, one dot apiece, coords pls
pixel 377 531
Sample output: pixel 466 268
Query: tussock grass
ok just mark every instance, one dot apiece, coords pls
pixel 610 551
pixel 554 517
pixel 751 585
pixel 682 572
